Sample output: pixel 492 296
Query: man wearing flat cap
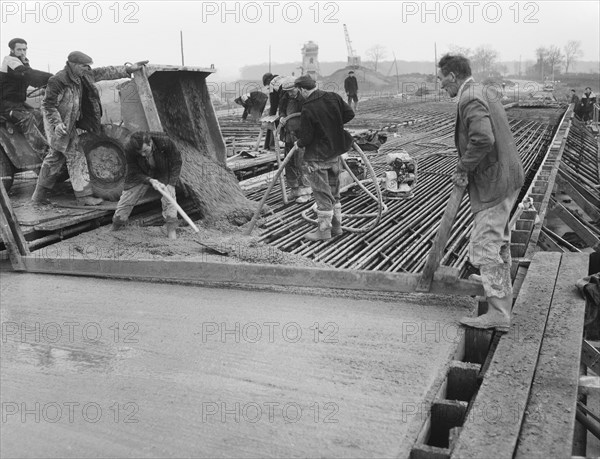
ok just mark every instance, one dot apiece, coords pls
pixel 323 136
pixel 72 102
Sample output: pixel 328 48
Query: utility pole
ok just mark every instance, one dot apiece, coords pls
pixel 435 69
pixel 181 42
pixel 397 77
pixel 269 58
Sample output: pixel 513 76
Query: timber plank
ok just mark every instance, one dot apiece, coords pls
pixel 580 229
pixel 500 403
pixel 549 419
pixel 251 274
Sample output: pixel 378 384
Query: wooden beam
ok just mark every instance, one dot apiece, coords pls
pixel 512 369
pixel 590 209
pixel 590 356
pixel 579 228
pixel 588 385
pixel 247 274
pixel 441 238
pixel 549 420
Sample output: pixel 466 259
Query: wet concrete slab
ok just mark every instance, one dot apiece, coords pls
pixel 106 368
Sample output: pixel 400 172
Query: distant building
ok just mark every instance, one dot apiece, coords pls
pixel 310 60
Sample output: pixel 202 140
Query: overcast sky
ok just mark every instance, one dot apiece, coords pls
pixel 233 34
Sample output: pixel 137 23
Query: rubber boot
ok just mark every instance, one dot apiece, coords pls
pixel 171 227
pixel 323 231
pixel 40 195
pixel 498 289
pixel 336 222
pixel 498 315
pixel 118 224
pixel 89 201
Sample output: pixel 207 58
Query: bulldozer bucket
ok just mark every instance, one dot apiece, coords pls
pixel 175 100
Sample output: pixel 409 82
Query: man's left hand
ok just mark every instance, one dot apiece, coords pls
pixel 460 179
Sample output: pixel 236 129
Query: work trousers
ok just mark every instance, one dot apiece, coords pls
pixel 324 178
pixel 294 176
pixel 489 249
pixel 76 164
pixel 130 197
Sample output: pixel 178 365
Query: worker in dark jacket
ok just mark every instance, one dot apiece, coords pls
pixel 153 160
pixel 351 88
pixel 253 103
pixel 72 102
pixel 323 136
pixel 16 75
pixel 290 107
pixel 490 167
pixel 588 99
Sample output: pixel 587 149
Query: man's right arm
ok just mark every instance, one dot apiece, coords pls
pixel 50 102
pixel 347 112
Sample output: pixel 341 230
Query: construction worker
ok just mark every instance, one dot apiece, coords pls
pixel 253 102
pixel 490 166
pixel 323 136
pixel 351 88
pixel 16 75
pixel 588 99
pixel 152 160
pixel 290 106
pixel 273 82
pixel 72 102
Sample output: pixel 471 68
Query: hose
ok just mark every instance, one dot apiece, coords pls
pixel 381 207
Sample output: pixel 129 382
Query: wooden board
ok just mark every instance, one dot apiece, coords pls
pixel 249 274
pixel 549 419
pixel 495 418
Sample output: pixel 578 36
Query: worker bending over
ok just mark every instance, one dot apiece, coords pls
pixel 290 106
pixel 152 160
pixel 323 136
pixel 490 166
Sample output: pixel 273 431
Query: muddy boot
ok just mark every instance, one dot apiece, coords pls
pixel 303 196
pixel 89 201
pixel 323 231
pixel 171 228
pixel 40 195
pixel 498 315
pixel 336 222
pixel 118 224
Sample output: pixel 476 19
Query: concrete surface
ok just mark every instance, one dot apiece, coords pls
pixel 102 368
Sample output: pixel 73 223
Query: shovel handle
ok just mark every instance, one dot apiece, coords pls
pixel 168 197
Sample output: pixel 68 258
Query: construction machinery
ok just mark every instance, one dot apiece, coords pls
pixel 401 176
pixel 353 59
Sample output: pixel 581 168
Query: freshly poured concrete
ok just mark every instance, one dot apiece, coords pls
pixel 184 371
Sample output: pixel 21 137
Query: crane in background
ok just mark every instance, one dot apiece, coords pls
pixel 353 59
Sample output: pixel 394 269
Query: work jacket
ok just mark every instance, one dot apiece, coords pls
pixel 16 75
pixel 322 126
pixel 75 101
pixel 486 147
pixel 167 163
pixel 288 106
pixel 351 85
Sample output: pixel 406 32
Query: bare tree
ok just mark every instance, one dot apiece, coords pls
pixel 376 53
pixel 455 49
pixel 572 53
pixel 554 58
pixel 483 60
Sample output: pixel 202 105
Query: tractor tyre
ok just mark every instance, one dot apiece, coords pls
pixel 105 154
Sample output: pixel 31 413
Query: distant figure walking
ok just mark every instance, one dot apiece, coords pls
pixel 351 88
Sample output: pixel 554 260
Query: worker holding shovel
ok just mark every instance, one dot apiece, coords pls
pixel 152 160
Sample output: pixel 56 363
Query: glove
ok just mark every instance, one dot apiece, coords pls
pixel 460 179
pixel 156 184
pixel 170 189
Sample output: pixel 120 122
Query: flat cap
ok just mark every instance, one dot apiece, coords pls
pixel 288 83
pixel 305 82
pixel 77 57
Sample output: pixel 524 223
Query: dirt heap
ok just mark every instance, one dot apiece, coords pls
pixel 186 114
